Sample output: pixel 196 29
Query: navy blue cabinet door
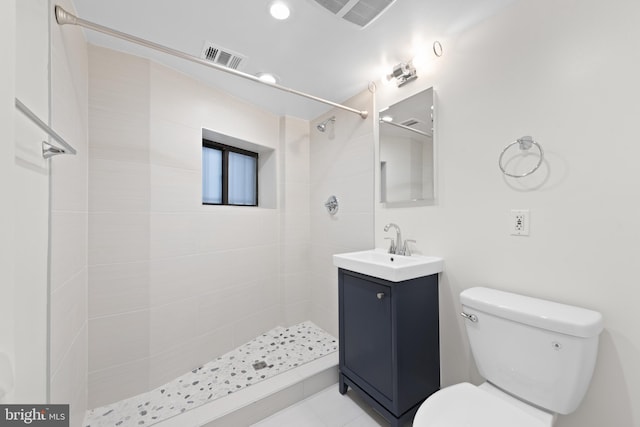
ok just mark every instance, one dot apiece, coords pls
pixel 389 342
pixel 367 333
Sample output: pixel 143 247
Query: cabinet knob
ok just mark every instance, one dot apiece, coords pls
pixel 380 295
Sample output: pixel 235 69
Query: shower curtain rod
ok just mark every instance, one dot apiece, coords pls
pixel 63 17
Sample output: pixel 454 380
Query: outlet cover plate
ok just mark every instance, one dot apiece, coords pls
pixel 519 222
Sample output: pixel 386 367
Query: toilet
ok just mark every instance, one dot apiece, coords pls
pixel 537 357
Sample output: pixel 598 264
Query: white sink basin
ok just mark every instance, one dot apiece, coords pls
pixel 395 268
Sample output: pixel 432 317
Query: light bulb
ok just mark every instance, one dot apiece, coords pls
pixel 268 78
pixel 279 10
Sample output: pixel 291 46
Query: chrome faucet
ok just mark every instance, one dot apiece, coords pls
pixel 398 247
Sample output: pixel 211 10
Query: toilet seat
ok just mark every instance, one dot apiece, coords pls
pixel 464 405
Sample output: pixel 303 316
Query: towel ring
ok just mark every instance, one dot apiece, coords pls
pixel 525 143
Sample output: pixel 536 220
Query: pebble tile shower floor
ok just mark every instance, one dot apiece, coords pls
pixel 271 353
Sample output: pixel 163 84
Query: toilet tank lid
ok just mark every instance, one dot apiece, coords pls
pixel 549 315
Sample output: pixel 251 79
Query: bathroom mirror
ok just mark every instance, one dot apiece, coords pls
pixel 407 151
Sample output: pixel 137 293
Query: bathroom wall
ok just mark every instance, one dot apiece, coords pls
pixel 174 283
pixel 69 218
pixel 295 220
pixel 7 110
pixel 566 73
pixel 30 204
pixel 118 226
pixel 341 164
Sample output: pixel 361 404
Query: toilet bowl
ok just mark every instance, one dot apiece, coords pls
pixel 465 404
pixel 538 358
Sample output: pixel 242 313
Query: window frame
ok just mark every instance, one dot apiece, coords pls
pixel 226 149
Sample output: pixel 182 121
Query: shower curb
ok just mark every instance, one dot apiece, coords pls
pixel 252 404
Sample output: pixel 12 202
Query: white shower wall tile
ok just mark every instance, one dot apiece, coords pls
pixel 175 145
pixel 69 238
pixel 353 199
pixel 118 237
pixel 118 82
pixel 218 341
pixel 177 278
pixel 129 140
pixel 296 197
pixel 118 382
pixel 118 339
pixel 295 227
pixel 264 263
pixel 274 352
pixel 295 153
pixel 171 363
pixel 175 190
pixel 71 372
pixel 68 316
pixel 173 235
pixel 231 227
pixel 296 287
pixel 165 248
pixel 324 291
pixel 326 318
pixel 296 312
pixel 253 324
pixel 118 186
pixel 344 231
pixel 295 257
pixel 258 295
pixel 179 99
pixel 118 288
pixel 215 310
pixel 172 325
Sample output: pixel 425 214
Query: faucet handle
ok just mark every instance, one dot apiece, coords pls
pixel 392 245
pixel 406 250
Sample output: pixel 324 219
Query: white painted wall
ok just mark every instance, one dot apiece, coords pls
pixel 30 179
pixel 69 217
pixel 566 73
pixel 7 213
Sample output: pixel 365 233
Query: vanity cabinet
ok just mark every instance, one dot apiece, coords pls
pixel 389 342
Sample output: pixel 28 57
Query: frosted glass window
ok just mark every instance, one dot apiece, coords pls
pixel 229 175
pixel 211 176
pixel 242 179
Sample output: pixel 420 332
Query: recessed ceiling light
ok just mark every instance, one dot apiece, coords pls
pixel 279 10
pixel 386 119
pixel 268 78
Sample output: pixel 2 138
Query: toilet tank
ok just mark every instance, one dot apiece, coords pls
pixel 540 351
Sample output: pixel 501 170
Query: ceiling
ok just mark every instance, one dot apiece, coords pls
pixel 314 51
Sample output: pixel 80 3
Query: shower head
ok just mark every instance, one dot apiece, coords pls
pixel 323 126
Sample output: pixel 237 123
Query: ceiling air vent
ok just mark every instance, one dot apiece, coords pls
pixel 222 56
pixel 410 122
pixel 359 12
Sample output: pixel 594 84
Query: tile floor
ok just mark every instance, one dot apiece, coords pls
pixel 327 408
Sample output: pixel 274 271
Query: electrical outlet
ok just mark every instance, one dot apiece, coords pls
pixel 519 222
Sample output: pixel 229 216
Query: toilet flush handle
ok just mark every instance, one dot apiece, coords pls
pixel 471 317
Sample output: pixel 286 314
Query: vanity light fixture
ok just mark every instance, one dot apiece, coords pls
pixel 403 73
pixel 279 10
